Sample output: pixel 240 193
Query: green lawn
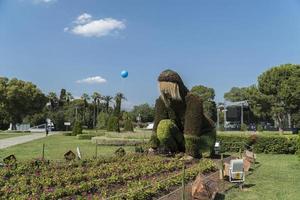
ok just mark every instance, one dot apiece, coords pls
pixel 277 178
pixel 4 135
pixel 56 146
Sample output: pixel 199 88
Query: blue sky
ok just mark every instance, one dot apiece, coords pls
pixel 57 43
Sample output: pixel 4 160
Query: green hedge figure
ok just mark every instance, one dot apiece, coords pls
pixel 185 109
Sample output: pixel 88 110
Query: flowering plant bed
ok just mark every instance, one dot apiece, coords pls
pixel 134 176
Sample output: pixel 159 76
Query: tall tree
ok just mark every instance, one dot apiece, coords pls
pixel 107 100
pixel 236 94
pixel 145 111
pixel 207 95
pixel 62 97
pixel 96 98
pixel 54 101
pixel 23 98
pixel 69 97
pixel 281 86
pixel 118 101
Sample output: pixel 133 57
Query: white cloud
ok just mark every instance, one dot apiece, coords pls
pixel 92 80
pixel 86 26
pixel 83 19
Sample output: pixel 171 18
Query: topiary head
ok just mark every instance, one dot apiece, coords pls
pixel 171 86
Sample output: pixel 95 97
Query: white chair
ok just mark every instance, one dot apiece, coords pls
pixel 236 171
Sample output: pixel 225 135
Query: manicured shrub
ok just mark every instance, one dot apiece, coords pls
pixel 260 128
pixel 232 142
pixel 278 144
pixel 67 133
pixel 77 128
pixel 117 141
pixel 102 120
pixel 244 127
pixel 169 136
pixel 128 126
pixel 113 124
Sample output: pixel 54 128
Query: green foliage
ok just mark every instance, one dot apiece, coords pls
pixel 89 136
pixel 113 124
pixel 236 94
pixel 154 141
pixel 117 141
pixel 259 128
pixel 77 128
pixel 169 136
pixel 281 84
pixel 102 120
pixel 298 146
pixel 128 126
pixel 118 99
pixel 194 115
pixel 207 142
pixel 244 127
pixel 146 112
pixel 44 181
pixel 207 95
pixel 120 152
pixel 192 146
pixel 277 144
pixel 18 99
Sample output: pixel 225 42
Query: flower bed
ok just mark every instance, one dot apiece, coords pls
pixel 99 178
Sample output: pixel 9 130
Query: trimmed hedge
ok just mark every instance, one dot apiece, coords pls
pixel 89 136
pixel 277 144
pixel 118 141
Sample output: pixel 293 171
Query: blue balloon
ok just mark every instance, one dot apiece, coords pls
pixel 124 74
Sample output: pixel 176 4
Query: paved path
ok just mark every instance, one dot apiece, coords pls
pixel 8 142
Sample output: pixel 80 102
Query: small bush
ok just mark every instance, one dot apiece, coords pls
pixel 244 127
pixel 139 149
pixel 113 124
pixel 260 128
pixel 77 128
pixel 102 120
pixel 128 126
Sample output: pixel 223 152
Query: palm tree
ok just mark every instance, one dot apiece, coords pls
pixel 53 99
pixel 107 100
pixel 69 97
pixel 96 97
pixel 118 99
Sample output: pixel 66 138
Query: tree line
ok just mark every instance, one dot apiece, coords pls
pixel 274 98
